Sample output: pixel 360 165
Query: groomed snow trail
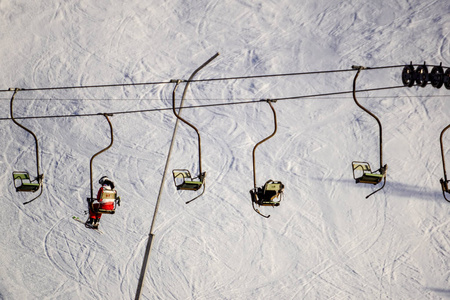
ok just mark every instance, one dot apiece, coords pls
pixel 325 241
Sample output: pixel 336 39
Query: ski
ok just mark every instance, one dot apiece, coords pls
pixel 80 221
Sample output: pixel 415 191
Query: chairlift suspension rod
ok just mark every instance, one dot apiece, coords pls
pixel 442 151
pixel 359 68
pixel 28 130
pixel 262 141
pixel 181 106
pixel 192 126
pixel 101 151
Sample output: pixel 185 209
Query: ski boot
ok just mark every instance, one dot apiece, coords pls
pixel 90 223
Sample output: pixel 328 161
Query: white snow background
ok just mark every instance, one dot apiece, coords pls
pixel 325 240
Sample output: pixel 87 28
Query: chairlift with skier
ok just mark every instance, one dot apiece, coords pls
pixel 107 199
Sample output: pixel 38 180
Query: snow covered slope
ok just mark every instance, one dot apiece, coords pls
pixel 325 240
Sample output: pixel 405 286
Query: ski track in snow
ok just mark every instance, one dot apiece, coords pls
pixel 325 240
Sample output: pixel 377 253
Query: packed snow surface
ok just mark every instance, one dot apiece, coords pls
pixel 325 240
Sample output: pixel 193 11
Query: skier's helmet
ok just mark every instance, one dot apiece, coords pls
pixel 103 179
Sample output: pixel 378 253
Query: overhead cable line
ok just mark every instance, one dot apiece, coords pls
pixel 197 80
pixel 209 99
pixel 209 105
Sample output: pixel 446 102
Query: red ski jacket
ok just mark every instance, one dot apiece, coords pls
pixel 106 197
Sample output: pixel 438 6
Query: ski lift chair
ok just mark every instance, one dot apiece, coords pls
pixel 266 195
pixel 109 195
pixel 271 190
pixel 23 183
pixel 106 194
pixel 182 177
pixel 362 173
pixel 22 180
pixel 184 181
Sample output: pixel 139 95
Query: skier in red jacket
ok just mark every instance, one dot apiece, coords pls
pixel 106 198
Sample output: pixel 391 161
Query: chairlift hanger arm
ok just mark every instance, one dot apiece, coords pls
pixel 442 151
pixel 182 119
pixel 181 106
pixel 265 139
pixel 39 176
pixel 444 181
pixel 359 68
pixel 40 193
pixel 257 210
pixel 29 131
pixel 101 151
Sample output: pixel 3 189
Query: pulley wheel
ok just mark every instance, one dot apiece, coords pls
pixel 408 75
pixel 437 77
pixel 447 79
pixel 422 76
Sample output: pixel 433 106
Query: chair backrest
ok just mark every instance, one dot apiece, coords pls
pixel 21 175
pixel 276 186
pixel 272 190
pixel 365 167
pixel 109 194
pixel 182 174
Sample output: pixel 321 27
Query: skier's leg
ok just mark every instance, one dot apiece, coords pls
pixel 97 215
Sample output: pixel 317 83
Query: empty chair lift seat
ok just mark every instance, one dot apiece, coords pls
pixel 184 181
pixel 266 195
pixel 366 175
pixel 26 184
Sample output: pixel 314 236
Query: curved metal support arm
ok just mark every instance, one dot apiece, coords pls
pixel 384 183
pixel 257 210
pixel 181 106
pixel 359 68
pixel 443 190
pixel 186 122
pixel 39 176
pixel 101 151
pixel 442 151
pixel 444 180
pixel 40 193
pixel 262 141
